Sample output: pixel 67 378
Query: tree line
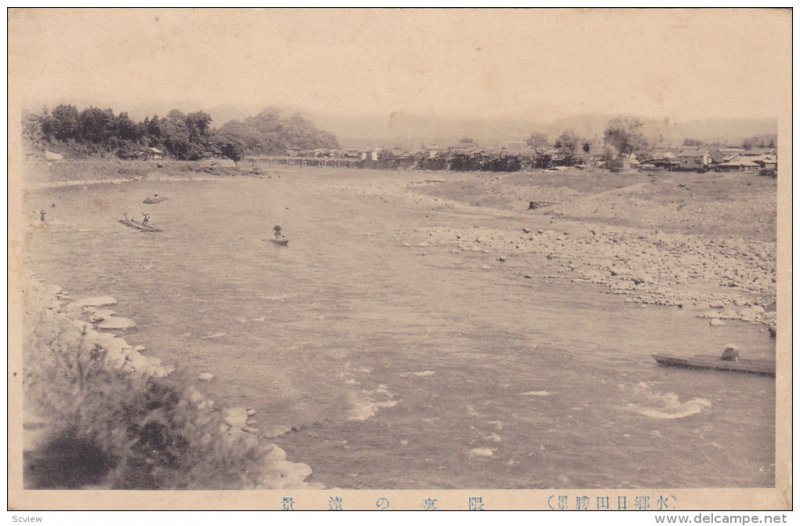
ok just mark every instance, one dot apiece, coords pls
pixel 95 131
pixel 622 136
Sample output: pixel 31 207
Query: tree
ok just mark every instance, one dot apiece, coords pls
pixel 96 125
pixel 567 145
pixel 692 142
pixel 64 122
pixel 625 134
pixel 537 141
pixel 126 129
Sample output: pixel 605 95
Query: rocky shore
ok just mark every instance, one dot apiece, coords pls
pixel 703 242
pixel 89 323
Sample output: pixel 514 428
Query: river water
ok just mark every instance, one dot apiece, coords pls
pixel 397 366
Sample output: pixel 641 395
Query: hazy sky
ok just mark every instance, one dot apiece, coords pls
pixel 684 64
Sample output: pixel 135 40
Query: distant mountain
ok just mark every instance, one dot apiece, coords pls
pixel 409 130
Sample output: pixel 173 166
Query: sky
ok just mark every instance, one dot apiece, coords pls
pixel 542 64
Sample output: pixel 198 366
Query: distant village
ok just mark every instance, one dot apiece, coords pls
pixel 469 156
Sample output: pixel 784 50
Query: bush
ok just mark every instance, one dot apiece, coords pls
pixel 119 429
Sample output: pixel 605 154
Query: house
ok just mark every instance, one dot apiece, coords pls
pixel 154 154
pixel 694 159
pixel 371 155
pixel 622 162
pixel 463 148
pixel 730 153
pixel 740 163
pixel 663 159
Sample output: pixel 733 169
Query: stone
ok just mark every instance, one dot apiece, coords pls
pixel 716 322
pixel 236 417
pixel 118 323
pixel 206 377
pixel 94 301
pixel 101 314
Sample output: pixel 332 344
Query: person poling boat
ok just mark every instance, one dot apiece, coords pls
pixel 153 200
pixel 146 219
pixel 278 238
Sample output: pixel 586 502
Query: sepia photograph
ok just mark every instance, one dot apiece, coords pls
pixel 399 259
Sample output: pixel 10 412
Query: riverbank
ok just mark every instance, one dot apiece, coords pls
pixel 699 241
pixel 100 413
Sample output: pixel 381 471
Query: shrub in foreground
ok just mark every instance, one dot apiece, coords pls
pixel 115 428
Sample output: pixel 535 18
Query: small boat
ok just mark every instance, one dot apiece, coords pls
pixel 282 241
pixel 153 200
pixel 741 365
pixel 139 226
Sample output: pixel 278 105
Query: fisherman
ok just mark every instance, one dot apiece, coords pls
pixel 278 231
pixel 42 213
pixel 146 218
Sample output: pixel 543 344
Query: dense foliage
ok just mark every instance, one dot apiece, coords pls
pixel 268 133
pixel 94 131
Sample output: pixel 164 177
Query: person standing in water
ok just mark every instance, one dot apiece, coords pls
pixel 146 218
pixel 278 231
pixel 42 213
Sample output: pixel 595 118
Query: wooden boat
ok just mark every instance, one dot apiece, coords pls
pixel 153 201
pixel 741 365
pixel 139 226
pixel 282 241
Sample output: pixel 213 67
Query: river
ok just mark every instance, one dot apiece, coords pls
pixel 385 364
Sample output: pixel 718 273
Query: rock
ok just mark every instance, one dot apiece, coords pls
pixel 115 322
pixel 717 304
pixel 276 431
pixel 716 322
pixel 501 259
pixel 101 314
pixel 481 452
pixel 772 331
pixel 250 411
pixel 251 430
pixel 236 417
pixel 94 301
pixel 757 309
pixel 194 395
pixel 206 377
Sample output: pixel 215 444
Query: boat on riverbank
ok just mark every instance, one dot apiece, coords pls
pixel 282 241
pixel 139 226
pixel 742 365
pixel 154 200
